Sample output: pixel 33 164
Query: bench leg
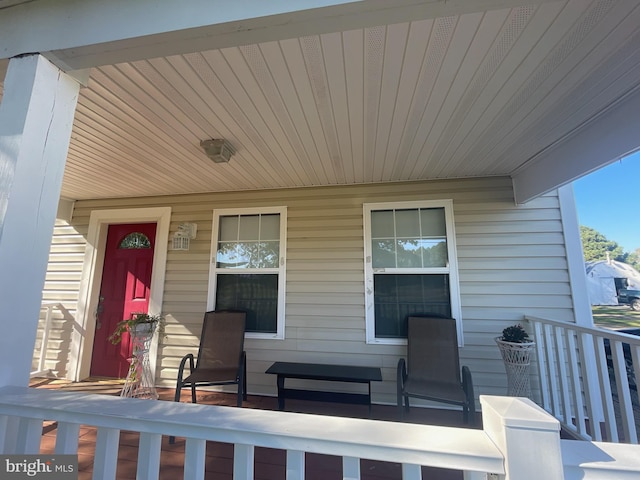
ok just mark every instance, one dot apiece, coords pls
pixel 280 383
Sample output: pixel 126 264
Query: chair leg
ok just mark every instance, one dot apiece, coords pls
pixel 176 398
pixel 401 376
pixel 244 377
pixel 400 406
pixel 472 412
pixel 193 393
pixel 469 412
pixel 241 393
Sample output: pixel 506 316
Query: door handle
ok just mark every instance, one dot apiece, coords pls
pixel 99 310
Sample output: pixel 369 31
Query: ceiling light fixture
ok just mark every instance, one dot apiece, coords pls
pixel 217 149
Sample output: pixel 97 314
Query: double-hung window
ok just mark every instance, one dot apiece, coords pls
pixel 248 267
pixel 410 266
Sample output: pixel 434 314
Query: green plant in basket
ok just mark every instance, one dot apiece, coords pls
pixel 515 334
pixel 137 319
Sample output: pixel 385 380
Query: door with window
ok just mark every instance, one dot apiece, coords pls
pixel 124 291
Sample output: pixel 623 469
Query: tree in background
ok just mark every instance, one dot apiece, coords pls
pixel 633 259
pixel 595 246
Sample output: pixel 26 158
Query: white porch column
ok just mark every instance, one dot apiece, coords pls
pixel 36 116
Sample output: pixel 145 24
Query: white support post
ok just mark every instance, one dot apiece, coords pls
pixel 36 117
pixel 527 436
pixel 579 289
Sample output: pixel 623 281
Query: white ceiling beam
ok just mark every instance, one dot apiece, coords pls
pixel 608 137
pixel 87 33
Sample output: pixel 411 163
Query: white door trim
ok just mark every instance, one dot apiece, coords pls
pixel 82 337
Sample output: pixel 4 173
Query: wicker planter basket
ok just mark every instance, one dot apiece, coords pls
pixel 517 358
pixel 139 381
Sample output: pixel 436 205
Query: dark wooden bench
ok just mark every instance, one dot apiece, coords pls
pixel 332 373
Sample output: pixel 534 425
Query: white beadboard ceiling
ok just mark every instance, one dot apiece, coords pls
pixel 473 95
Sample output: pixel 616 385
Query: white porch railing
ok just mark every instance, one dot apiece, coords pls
pixel 48 307
pixel 519 440
pixel 575 381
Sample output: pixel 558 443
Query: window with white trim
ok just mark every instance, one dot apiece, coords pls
pixel 248 267
pixel 410 266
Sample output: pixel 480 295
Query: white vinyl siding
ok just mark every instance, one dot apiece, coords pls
pixel 62 284
pixel 511 262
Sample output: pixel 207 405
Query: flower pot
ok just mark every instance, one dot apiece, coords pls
pixel 517 358
pixel 142 330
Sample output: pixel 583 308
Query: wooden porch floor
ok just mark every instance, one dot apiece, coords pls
pixel 269 463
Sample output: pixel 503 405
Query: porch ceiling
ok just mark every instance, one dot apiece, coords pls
pixel 478 94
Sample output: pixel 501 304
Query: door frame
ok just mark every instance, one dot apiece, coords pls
pixel 81 347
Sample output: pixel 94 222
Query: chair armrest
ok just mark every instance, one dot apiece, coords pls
pixel 188 356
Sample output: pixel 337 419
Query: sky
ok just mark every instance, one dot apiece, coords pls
pixel 606 201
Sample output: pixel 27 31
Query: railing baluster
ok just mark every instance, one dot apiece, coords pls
pixel 543 369
pixel 295 465
pixel 106 456
pixel 574 368
pixel 243 456
pixel 149 456
pixel 350 468
pixel 624 396
pixel 411 472
pixel 592 391
pixel 46 333
pixel 635 358
pixel 45 338
pixel 195 452
pixel 605 389
pixel 553 369
pixel 561 362
pixel 4 431
pixel 67 438
pixel 29 435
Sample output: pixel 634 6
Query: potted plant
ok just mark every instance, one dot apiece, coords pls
pixel 138 324
pixel 141 326
pixel 516 347
pixel 515 334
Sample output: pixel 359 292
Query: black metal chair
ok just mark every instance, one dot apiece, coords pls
pixel 432 368
pixel 221 357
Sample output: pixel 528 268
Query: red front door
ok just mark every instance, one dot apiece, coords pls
pixel 124 291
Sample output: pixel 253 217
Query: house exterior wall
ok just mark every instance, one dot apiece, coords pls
pixel 512 261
